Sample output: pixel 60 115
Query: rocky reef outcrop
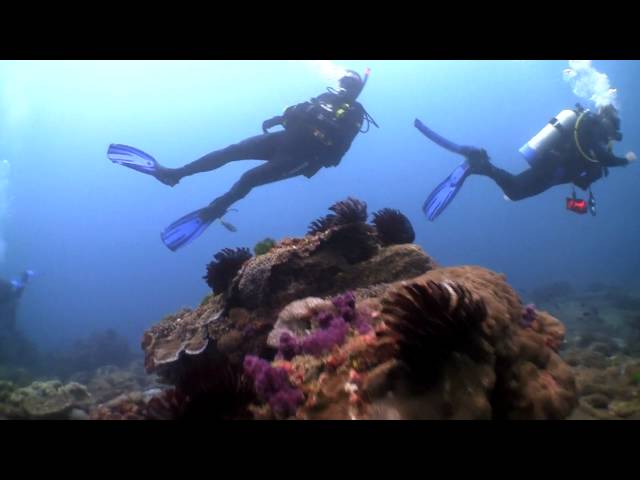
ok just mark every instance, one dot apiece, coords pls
pixel 347 323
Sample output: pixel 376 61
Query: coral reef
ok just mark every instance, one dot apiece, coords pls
pixel 109 381
pixel 601 350
pixel 42 400
pixel 608 389
pixel 149 405
pixel 448 344
pixel 264 246
pixel 343 258
pixel 344 323
pixel 224 267
pixel 393 227
pixel 129 406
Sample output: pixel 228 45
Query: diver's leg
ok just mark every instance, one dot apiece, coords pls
pixel 527 184
pixel 273 171
pixel 259 147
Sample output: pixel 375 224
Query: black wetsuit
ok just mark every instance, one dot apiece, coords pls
pixel 564 164
pixel 9 296
pixel 317 134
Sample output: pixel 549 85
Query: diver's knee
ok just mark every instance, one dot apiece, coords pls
pixel 240 189
pixel 515 196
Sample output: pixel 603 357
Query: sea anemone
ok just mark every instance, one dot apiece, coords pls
pixel 350 210
pixel 430 321
pixel 224 267
pixel 393 227
pixel 321 224
pixel 264 246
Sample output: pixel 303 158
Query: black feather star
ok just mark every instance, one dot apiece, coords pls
pixel 393 227
pixel 350 210
pixel 322 224
pixel 430 321
pixel 224 267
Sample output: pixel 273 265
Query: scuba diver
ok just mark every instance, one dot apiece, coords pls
pixel 316 134
pixel 10 293
pixel 574 147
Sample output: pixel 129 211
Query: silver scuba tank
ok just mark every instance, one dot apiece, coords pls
pixel 548 137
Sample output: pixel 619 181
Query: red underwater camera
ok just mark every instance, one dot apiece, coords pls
pixel 581 206
pixel 577 205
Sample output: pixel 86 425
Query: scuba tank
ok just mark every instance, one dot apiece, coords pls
pixel 548 137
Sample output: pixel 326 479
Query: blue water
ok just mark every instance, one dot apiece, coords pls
pixel 90 229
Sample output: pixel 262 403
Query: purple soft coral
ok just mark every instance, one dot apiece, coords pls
pixel 321 341
pixel 528 315
pixel 346 306
pixel 333 330
pixel 362 325
pixel 289 346
pixel 324 319
pixel 272 385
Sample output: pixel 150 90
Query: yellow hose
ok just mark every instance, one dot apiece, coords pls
pixel 575 136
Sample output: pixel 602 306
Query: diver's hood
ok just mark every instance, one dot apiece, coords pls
pixel 351 84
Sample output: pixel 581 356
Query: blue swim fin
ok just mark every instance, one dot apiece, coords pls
pixel 446 191
pixel 441 141
pixel 186 229
pixel 21 283
pixel 133 158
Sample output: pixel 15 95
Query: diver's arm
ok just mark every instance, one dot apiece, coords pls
pixel 272 122
pixel 595 139
pixel 609 159
pixel 289 113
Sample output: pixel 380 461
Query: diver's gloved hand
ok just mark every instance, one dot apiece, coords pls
pixel 270 123
pixel 631 157
pixel 477 154
pixel 168 176
pixel 478 160
pixel 26 275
